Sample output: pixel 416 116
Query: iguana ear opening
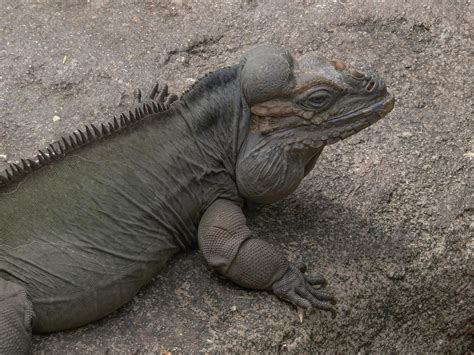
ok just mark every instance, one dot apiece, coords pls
pixel 267 73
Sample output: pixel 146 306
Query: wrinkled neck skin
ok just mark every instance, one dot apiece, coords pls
pixel 270 168
pixel 266 168
pixel 217 117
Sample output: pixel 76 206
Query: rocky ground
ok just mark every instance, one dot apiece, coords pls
pixel 386 215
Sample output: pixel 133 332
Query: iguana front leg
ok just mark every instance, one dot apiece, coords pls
pixel 227 244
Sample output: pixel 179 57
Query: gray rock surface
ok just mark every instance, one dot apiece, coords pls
pixel 386 215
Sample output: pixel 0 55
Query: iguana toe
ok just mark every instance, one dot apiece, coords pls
pixel 316 280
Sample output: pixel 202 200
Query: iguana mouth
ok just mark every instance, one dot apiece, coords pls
pixel 371 113
pixel 345 125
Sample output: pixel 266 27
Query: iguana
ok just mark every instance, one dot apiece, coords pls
pixel 89 222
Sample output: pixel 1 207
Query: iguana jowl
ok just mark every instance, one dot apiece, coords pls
pixel 83 227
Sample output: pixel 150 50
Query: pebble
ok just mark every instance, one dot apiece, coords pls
pixel 406 134
pixel 396 272
pixel 56 118
pixel 3 157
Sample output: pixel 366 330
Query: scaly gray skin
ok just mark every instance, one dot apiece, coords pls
pixel 87 225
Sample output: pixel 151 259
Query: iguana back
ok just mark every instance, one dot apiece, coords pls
pixel 84 233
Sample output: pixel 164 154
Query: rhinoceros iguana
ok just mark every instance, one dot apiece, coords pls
pixel 86 224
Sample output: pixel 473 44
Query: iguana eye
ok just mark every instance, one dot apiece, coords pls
pixel 317 99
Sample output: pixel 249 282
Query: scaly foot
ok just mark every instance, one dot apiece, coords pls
pixel 297 288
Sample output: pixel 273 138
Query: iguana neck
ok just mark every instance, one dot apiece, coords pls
pixel 216 115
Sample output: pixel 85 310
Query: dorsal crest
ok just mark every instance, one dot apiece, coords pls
pixel 16 172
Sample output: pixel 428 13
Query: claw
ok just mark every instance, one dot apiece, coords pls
pixel 324 306
pixel 301 266
pixel 300 313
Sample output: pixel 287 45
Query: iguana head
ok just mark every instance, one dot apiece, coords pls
pixel 296 108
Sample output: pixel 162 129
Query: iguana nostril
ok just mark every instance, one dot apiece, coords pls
pixel 370 86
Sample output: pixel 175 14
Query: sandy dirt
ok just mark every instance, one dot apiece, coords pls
pixel 386 216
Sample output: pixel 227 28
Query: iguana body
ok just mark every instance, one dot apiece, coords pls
pixel 92 224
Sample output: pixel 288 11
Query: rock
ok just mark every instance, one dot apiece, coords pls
pixel 405 134
pixel 396 272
